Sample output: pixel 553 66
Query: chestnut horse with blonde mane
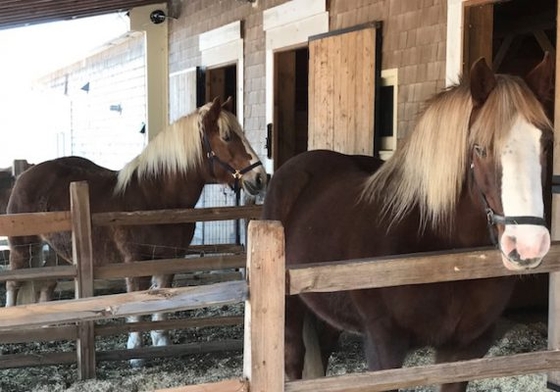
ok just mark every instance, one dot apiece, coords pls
pixel 205 146
pixel 471 170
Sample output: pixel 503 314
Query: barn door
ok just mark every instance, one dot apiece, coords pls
pixel 342 76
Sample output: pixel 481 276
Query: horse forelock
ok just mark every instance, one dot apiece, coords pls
pixel 428 171
pixel 176 149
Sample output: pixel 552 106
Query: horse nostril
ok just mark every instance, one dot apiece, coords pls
pixel 514 256
pixel 259 180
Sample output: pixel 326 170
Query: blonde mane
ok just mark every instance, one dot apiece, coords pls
pixel 429 170
pixel 176 149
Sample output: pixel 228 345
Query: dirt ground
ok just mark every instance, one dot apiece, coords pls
pixel 521 333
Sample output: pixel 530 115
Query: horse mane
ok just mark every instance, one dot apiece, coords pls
pixel 175 150
pixel 429 170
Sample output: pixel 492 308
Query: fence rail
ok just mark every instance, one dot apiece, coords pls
pixel 264 309
pixel 16 323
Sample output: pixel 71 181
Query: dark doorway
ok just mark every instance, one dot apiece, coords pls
pixel 289 130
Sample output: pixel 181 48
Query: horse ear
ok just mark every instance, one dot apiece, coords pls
pixel 541 78
pixel 482 81
pixel 215 108
pixel 228 104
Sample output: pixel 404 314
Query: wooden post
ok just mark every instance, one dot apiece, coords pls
pixel 264 311
pixel 553 378
pixel 19 166
pixel 82 256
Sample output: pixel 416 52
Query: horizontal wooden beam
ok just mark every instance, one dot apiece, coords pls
pixel 69 332
pixel 173 350
pixel 52 222
pixel 175 216
pixel 199 322
pixel 385 380
pixel 169 266
pixel 42 273
pixel 418 268
pixel 41 334
pixel 35 223
pixel 121 305
pixel 10 361
pixel 220 386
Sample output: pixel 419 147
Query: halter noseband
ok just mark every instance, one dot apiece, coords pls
pixel 496 219
pixel 236 174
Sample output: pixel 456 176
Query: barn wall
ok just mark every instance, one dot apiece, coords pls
pixel 88 127
pixel 414 34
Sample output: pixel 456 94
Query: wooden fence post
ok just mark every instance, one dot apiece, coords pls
pixel 263 354
pixel 82 256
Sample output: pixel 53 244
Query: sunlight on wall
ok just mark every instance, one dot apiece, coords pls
pixel 27 130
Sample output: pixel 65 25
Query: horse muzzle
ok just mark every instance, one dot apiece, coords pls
pixel 524 246
pixel 254 181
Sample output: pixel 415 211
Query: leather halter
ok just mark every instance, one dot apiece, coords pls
pixel 494 219
pixel 236 174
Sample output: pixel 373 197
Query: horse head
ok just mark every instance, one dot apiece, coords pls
pixel 231 159
pixel 509 168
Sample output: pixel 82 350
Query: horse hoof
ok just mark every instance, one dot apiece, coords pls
pixel 137 363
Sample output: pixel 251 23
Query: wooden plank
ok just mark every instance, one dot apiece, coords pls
pixel 12 361
pixel 173 216
pixel 9 361
pixel 51 222
pixel 263 356
pixel 117 285
pixel 426 267
pixel 365 134
pixel 42 334
pixel 339 97
pixel 221 386
pixel 69 332
pixel 432 374
pixel 167 266
pixel 121 305
pixel 82 257
pixel 201 322
pixel 342 91
pixel 478 36
pixel 173 350
pixel 34 223
pixel 42 273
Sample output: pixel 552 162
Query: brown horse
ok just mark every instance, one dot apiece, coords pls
pixel 206 146
pixel 476 154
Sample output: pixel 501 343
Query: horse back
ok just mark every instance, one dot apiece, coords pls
pixel 45 187
pixel 305 172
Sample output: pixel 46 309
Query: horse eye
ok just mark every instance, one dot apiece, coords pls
pixel 226 138
pixel 480 151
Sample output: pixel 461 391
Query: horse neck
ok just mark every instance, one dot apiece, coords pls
pixel 167 191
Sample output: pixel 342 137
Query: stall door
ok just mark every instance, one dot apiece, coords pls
pixel 342 91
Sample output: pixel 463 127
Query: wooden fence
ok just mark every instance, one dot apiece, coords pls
pixel 264 312
pixel 263 356
pixel 15 322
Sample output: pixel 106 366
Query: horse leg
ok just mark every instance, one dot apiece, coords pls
pixel 25 252
pixel 474 349
pixel 48 286
pixel 135 337
pixel 385 346
pixel 294 344
pixel 160 337
pixel 320 340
